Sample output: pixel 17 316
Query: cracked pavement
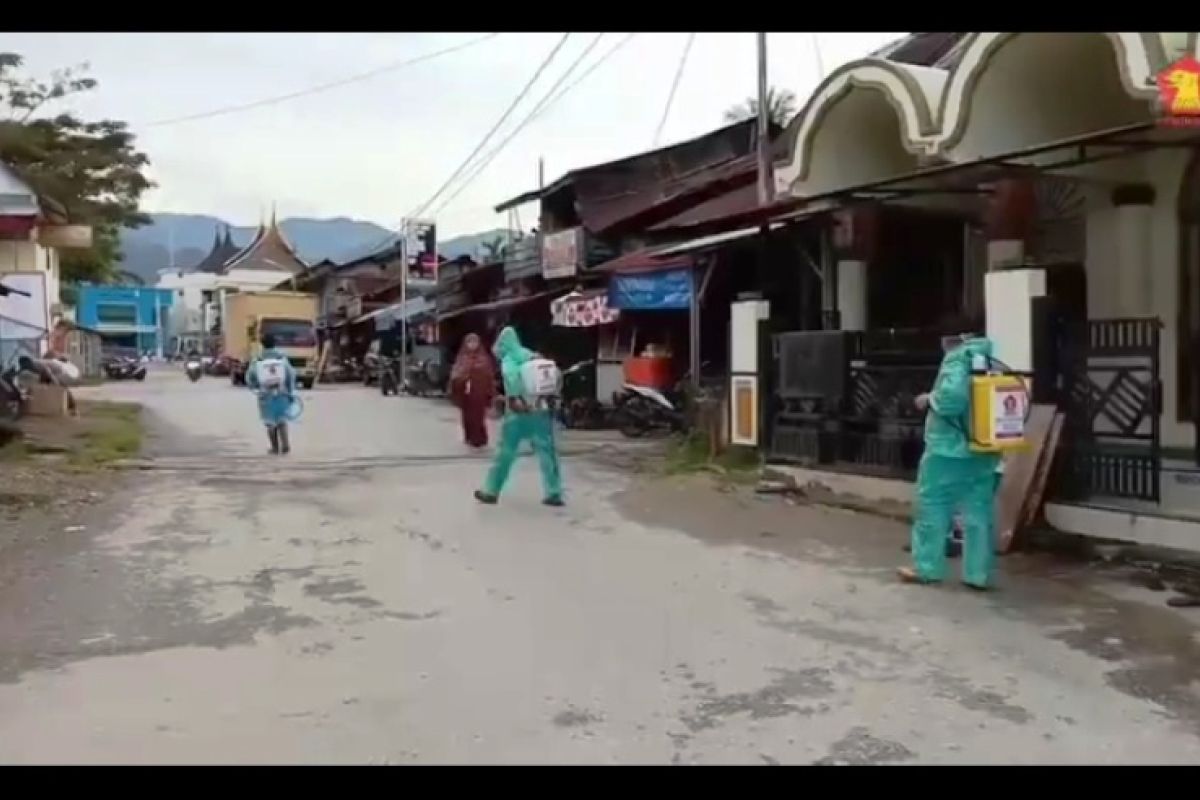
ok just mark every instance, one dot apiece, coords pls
pixel 351 604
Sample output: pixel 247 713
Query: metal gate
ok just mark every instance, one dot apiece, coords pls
pixel 844 400
pixel 1112 404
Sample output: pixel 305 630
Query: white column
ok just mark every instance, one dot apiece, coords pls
pixel 1008 304
pixel 744 378
pixel 1135 276
pixel 852 294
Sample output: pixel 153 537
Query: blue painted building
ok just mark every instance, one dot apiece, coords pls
pixel 132 317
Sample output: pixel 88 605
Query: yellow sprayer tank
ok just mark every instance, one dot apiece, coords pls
pixel 999 406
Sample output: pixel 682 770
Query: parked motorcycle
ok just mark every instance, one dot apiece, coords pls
pixel 389 375
pixel 580 409
pixel 642 409
pixel 424 377
pixel 372 367
pixel 194 369
pixel 14 397
pixel 124 368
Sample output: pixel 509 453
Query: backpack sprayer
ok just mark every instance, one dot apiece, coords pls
pixel 998 407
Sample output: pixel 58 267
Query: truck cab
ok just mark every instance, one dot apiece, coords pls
pixel 296 339
pixel 290 317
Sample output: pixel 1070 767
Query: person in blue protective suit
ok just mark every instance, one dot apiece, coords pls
pixel 272 377
pixel 952 477
pixel 521 422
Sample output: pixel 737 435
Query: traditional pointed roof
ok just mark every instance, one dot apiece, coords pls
pixel 222 250
pixel 269 251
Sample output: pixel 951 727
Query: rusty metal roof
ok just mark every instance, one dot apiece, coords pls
pixel 617 192
pixel 648 259
pixel 940 50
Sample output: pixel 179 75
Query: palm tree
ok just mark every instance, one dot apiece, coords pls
pixel 781 107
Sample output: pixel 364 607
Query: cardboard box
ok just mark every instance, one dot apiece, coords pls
pixel 48 400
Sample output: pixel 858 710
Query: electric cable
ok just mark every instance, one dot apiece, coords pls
pixel 687 48
pixel 266 101
pixel 542 105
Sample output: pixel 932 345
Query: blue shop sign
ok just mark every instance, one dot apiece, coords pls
pixel 652 291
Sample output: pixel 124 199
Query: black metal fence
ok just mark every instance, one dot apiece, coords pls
pixel 1112 404
pixel 845 399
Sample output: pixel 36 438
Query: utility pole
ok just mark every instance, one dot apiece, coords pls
pixel 766 178
pixel 541 187
pixel 403 301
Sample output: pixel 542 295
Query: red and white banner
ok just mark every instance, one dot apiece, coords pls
pixel 583 311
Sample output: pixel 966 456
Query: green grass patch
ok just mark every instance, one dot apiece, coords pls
pixel 690 454
pixel 14 450
pixel 113 431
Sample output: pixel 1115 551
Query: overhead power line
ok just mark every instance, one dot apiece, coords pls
pixel 608 54
pixel 419 210
pixel 687 48
pixel 542 109
pixel 492 132
pixel 547 99
pixel 323 87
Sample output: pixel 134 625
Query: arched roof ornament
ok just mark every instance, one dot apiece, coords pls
pixel 912 92
pixel 1140 57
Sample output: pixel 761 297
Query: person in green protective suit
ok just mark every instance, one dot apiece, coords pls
pixel 521 422
pixel 952 477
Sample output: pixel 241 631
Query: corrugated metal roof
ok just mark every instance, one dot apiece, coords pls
pixel 648 259
pixel 16 196
pixel 614 192
pixel 940 50
pixel 412 307
pixel 737 201
pixel 692 245
pixel 505 302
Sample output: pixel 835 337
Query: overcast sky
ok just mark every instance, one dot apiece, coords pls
pixel 377 148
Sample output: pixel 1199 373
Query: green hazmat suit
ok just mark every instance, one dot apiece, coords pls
pixel 952 477
pixel 535 425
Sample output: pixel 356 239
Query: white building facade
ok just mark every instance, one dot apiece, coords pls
pixel 1077 128
pixel 200 291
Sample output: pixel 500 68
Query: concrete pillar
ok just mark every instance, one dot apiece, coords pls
pixel 745 405
pixel 1008 305
pixel 855 237
pixel 1134 208
pixel 852 294
pixel 1010 217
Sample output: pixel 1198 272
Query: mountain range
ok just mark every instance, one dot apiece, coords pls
pixel 147 249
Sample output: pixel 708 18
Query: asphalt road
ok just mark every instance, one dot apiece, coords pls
pixel 352 604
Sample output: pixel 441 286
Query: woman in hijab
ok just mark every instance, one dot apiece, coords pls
pixel 473 384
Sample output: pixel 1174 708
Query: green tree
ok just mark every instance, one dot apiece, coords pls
pixel 781 107
pixel 92 169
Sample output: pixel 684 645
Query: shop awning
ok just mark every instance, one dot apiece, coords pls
pixel 715 240
pixel 583 310
pixel 496 305
pixel 388 316
pixel 677 255
pixel 648 259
